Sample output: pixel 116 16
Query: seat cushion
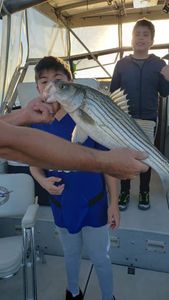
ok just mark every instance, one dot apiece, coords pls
pixel 10 255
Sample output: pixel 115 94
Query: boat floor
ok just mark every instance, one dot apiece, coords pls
pixel 155 219
pixel 145 283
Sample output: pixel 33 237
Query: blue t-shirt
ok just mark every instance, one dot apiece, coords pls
pixel 84 199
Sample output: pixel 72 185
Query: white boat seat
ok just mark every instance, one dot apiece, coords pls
pixel 17 196
pixel 11 252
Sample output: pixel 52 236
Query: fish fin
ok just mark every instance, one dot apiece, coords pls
pixel 120 99
pixel 108 93
pixel 117 93
pixel 85 117
pixel 79 136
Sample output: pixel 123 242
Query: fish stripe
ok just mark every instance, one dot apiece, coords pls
pixel 103 111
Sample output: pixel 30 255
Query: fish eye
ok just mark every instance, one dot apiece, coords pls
pixel 63 86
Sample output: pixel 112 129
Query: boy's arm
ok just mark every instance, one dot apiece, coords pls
pixel 48 183
pixel 113 209
pixel 165 72
pixel 164 81
pixel 115 82
pixel 38 174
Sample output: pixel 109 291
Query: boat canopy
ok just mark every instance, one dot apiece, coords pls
pixel 91 35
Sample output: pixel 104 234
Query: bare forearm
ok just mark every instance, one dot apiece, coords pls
pixel 37 173
pixel 16 118
pixel 44 150
pixel 113 189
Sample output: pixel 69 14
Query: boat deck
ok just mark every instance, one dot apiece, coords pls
pixel 147 285
pixel 139 253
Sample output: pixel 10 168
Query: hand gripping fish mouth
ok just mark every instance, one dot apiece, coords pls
pixel 106 120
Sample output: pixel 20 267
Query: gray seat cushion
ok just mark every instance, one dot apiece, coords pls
pixel 10 255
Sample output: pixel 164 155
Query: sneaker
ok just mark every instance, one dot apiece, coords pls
pixel 124 198
pixel 144 201
pixel 69 296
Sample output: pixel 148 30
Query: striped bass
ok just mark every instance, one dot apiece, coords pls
pixel 106 120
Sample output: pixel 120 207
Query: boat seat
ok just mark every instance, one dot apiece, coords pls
pixel 18 251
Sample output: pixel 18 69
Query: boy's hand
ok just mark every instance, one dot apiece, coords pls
pixel 36 111
pixel 49 185
pixel 165 72
pixel 113 216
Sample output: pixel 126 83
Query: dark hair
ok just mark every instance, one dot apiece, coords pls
pixel 52 63
pixel 146 23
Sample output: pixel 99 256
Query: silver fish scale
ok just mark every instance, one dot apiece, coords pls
pixel 127 137
pixel 107 103
pixel 122 121
pixel 118 122
pixel 120 117
pixel 110 126
pixel 101 111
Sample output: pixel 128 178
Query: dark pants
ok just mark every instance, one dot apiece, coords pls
pixel 144 183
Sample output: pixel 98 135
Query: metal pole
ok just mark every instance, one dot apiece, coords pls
pixel 87 49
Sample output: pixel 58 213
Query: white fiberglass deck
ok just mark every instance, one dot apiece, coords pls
pixel 128 250
pixel 147 285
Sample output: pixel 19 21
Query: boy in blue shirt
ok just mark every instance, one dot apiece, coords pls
pixel 81 206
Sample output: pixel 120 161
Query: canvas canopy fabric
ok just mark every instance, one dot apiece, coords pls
pixel 30 34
